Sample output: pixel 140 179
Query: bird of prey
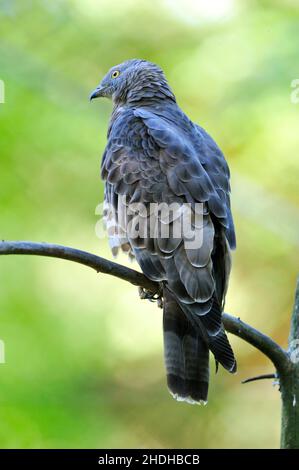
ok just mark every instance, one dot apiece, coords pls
pixel 156 155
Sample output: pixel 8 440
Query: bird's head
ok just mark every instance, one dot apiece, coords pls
pixel 134 81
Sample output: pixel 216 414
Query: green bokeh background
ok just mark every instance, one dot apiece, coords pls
pixel 84 364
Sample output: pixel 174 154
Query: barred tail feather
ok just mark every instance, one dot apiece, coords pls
pixel 220 347
pixel 186 354
pixel 217 338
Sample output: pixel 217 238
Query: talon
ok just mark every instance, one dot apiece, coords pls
pixel 142 293
pixel 152 297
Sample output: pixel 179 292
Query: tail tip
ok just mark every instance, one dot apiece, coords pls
pixel 188 399
pixel 194 392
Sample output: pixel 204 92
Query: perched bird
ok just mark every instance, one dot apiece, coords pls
pixel 156 155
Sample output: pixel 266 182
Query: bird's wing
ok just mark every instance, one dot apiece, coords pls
pixel 214 163
pixel 148 160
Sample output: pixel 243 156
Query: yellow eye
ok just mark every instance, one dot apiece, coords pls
pixel 115 74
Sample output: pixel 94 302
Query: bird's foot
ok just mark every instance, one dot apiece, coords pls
pixel 151 296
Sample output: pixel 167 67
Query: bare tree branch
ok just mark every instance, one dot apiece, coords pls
pixel 100 265
pixel 287 368
pixel 289 385
pixel 232 324
pixel 264 343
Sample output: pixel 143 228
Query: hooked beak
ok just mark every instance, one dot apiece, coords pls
pixel 97 93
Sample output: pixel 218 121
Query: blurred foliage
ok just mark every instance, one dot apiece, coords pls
pixel 84 363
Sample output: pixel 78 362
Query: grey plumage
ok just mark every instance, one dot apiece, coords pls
pixel 155 154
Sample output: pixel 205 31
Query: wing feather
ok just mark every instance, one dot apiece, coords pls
pixel 155 157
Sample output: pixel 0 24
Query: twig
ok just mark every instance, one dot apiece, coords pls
pixel 260 377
